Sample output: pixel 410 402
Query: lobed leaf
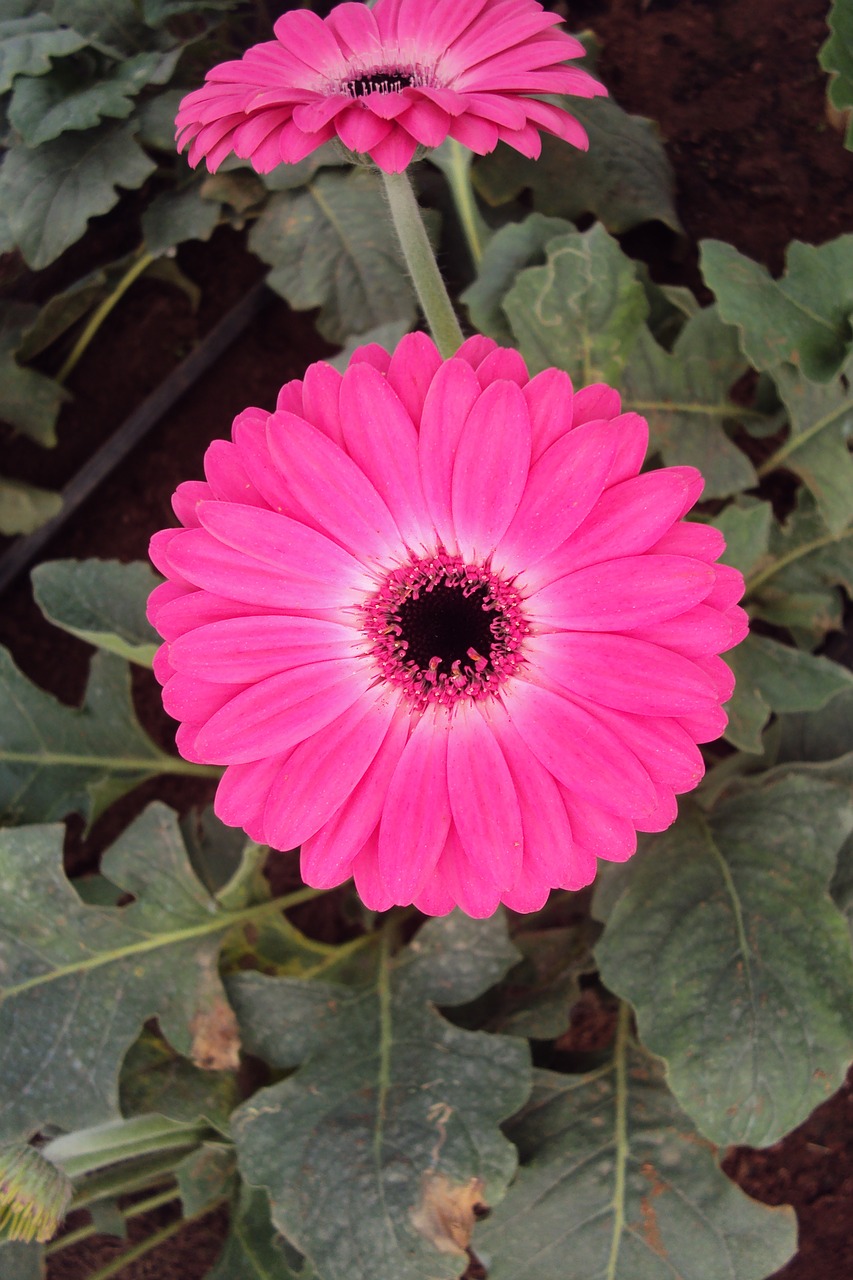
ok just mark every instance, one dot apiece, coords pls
pixel 24 507
pixel 331 245
pixel 254 1250
pixel 175 216
pixel 28 43
pixel 736 961
pixel 615 1184
pixel 375 1151
pixel 583 311
pixel 836 57
pixel 510 250
pixel 74 999
pixel 100 601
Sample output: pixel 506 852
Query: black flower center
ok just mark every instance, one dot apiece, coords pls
pixel 447 622
pixel 384 80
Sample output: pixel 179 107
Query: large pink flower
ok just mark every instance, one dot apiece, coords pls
pixel 387 80
pixel 440 631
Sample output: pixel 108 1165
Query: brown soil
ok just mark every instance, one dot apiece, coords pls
pixel 739 95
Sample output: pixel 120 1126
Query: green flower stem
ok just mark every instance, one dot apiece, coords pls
pixel 417 250
pixel 86 1150
pixel 152 1242
pixel 90 1229
pixel 99 315
pixel 459 177
pixel 620 1061
pixel 143 1175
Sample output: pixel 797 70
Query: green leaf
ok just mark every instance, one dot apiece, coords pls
pixel 331 245
pixel 28 43
pixel 29 401
pixel 537 996
pixel 818 445
pixel 836 57
pixel 115 27
pixel 254 1250
pixel 25 508
pixel 56 759
pixel 22 1261
pixel 102 602
pixel 583 311
pixel 155 120
pixel 154 1078
pixel 774 677
pixel 50 193
pixel 623 179
pixel 746 527
pixel 75 997
pixel 736 961
pixel 818 736
pixel 802 319
pixel 406 1105
pixel 71 98
pixel 684 396
pixel 616 1184
pixel 62 310
pixel 175 216
pixel 156 12
pixel 205 1176
pixel 796 583
pixel 513 247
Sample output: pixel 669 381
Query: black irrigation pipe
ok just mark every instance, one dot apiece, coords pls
pixel 21 554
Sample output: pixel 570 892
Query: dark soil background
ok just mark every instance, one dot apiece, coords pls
pixel 740 98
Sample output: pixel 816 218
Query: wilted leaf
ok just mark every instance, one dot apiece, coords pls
pixel 836 57
pixel 583 311
pixel 75 997
pixel 56 759
pixel 510 250
pixel 616 1184
pixel 175 216
pixel 775 677
pixel 331 245
pixel 50 193
pixel 684 396
pixel 736 961
pixel 254 1250
pixel 802 318
pixel 101 602
pixel 624 178
pixel 24 508
pixel 29 401
pixel 818 445
pixel 392 1096
pixel 72 97
pixel 28 43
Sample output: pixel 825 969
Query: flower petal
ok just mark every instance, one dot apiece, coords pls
pixel 452 394
pixel 490 469
pixel 416 817
pixel 617 595
pixel 247 649
pixel 483 799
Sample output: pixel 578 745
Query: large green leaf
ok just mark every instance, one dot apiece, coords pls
pixel 615 1184
pixel 24 507
pixel 56 759
pixel 78 981
pixel 115 27
pixel 331 245
pixel 375 1151
pixel 804 318
pixel 624 178
pixel 43 107
pixel 101 602
pixel 510 250
pixel 746 526
pixel 775 677
pixel 818 444
pixel 836 57
pixel 29 401
pixel 738 965
pixel 583 311
pixel 685 397
pixel 175 216
pixel 28 43
pixel 254 1250
pixel 22 1261
pixel 49 194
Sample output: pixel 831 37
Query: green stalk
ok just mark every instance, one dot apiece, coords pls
pixel 423 268
pixel 86 1150
pixel 90 1228
pixel 152 1242
pixel 99 315
pixel 458 174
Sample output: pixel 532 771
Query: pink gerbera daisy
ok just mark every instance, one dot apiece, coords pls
pixel 440 631
pixel 388 80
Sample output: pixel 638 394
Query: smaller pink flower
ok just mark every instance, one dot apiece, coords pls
pixel 386 81
pixel 441 630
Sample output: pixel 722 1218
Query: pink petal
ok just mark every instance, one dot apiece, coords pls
pixel 321 393
pixel 700 540
pixel 728 587
pixel 427 122
pixel 277 713
pixel 188 697
pixel 595 401
pixel 369 883
pixel 475 349
pixel 359 129
pixel 242 793
pixel 245 650
pixel 664 813
pixel 480 136
pixel 186 498
pixel 303 35
pixel 503 365
pixel 289 397
pixel 373 354
pixel 333 490
pixel 162 595
pixel 196 608
pixel 355 28
pixel 549 398
pixel 159 548
pixel 562 488
pixel 490 469
pixel 705 726
pixel 633 446
pixel 452 394
pixel 721 674
pixel 416 817
pixel 414 364
pixel 580 752
pixel 483 799
pixel 381 437
pixel 699 631
pixel 228 477
pixel 476 893
pixel 435 899
pixel 617 595
pixel 664 747
pixel 321 773
pixel 607 836
pixel 394 153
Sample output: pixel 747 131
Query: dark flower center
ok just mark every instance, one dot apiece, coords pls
pixel 383 80
pixel 447 623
